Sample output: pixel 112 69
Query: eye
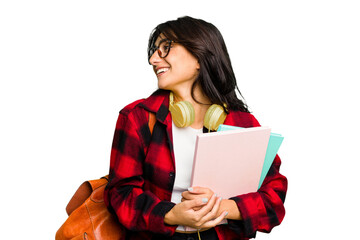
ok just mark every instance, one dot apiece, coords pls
pixel 166 46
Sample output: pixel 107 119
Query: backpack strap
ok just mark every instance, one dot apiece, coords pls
pixel 84 192
pixel 152 120
pixel 81 194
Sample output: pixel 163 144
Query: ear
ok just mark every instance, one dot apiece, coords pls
pixel 198 66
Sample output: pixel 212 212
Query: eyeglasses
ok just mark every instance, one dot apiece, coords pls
pixel 163 49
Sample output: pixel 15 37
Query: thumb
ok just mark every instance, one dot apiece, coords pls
pixel 196 202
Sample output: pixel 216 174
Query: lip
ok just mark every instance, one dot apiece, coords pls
pixel 162 72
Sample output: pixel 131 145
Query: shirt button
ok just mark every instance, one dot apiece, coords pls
pixel 171 174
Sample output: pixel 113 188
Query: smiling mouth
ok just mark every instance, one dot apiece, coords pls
pixel 161 70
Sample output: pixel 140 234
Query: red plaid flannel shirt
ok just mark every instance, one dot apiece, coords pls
pixel 142 174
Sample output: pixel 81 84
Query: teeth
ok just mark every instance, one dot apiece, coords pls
pixel 162 70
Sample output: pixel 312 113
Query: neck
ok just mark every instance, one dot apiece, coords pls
pixel 200 108
pixel 184 94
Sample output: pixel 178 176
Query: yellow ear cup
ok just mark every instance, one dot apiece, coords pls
pixel 214 116
pixel 182 113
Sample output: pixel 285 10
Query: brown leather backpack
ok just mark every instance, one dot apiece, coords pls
pixel 89 218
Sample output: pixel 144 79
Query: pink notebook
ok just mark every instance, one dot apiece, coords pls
pixel 230 162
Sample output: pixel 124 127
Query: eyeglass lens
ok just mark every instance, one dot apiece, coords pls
pixel 164 48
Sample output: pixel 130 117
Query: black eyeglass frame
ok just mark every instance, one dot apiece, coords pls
pixel 157 48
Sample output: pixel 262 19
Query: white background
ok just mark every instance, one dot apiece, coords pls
pixel 68 67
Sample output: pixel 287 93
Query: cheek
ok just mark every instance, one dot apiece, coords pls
pixel 189 65
pixel 184 73
pixel 192 70
pixel 192 66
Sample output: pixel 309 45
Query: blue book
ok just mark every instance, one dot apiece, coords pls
pixel 274 144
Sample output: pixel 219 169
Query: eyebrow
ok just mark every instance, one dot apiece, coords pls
pixel 161 41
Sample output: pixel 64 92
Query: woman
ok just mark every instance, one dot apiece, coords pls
pixel 150 198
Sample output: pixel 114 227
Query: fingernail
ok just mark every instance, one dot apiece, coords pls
pixel 220 198
pixel 204 200
pixel 226 213
pixel 190 189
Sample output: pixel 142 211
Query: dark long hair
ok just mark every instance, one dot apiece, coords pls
pixel 203 40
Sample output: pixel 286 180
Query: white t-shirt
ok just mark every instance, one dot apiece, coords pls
pixel 184 140
pixel 184 147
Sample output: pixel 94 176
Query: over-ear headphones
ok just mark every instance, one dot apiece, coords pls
pixel 183 114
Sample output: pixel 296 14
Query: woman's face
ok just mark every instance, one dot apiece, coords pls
pixel 178 70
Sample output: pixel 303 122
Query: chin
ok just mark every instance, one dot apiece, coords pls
pixel 163 86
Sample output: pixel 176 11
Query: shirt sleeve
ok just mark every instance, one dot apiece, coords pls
pixel 136 209
pixel 264 209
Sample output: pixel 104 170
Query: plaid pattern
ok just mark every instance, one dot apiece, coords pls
pixel 142 174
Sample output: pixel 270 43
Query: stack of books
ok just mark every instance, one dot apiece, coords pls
pixel 234 160
pixel 273 146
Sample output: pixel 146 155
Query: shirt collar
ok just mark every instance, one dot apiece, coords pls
pixel 158 103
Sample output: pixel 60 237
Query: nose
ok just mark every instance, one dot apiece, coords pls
pixel 155 58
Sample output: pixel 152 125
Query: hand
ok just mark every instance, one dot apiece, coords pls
pixel 226 204
pixel 197 192
pixel 184 214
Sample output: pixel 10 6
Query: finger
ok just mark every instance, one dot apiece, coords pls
pixel 199 190
pixel 184 199
pixel 208 212
pixel 197 208
pixel 216 221
pixel 190 196
pixel 187 195
pixel 213 212
pixel 198 202
pixel 207 208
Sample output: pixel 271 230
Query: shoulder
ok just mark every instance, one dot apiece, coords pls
pixel 137 111
pixel 151 103
pixel 241 119
pixel 131 107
